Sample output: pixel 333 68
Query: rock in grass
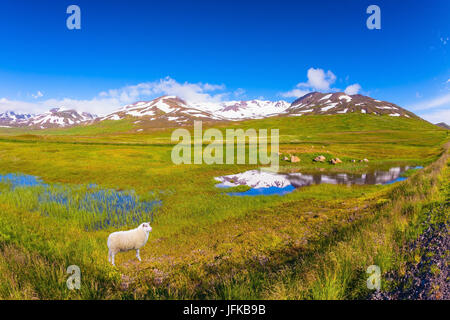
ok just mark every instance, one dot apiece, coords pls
pixel 320 159
pixel 335 161
pixel 295 159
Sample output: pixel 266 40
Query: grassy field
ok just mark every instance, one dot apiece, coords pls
pixel 314 243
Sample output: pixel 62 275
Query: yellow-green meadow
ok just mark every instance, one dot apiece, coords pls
pixel 313 243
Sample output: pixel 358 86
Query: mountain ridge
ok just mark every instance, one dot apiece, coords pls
pixel 10 118
pixel 340 103
pixel 443 125
pixel 171 111
pixel 175 109
pixel 55 117
pixel 60 117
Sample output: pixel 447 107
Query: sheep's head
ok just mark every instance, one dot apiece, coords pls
pixel 146 226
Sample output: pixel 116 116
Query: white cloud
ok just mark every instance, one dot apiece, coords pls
pixel 95 105
pixel 212 87
pixel 239 93
pixel 353 89
pixel 434 110
pixel 192 92
pixel 18 106
pixel 98 106
pixel 433 103
pixel 108 101
pixel 295 93
pixel 318 79
pixel 437 116
pixel 37 95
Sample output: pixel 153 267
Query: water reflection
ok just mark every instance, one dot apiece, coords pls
pixel 269 183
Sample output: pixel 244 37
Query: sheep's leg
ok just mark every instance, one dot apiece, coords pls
pixel 112 259
pixel 137 255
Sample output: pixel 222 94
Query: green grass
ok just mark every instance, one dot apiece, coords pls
pixel 339 270
pixel 88 207
pixel 313 243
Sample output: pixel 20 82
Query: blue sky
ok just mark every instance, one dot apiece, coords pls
pixel 223 50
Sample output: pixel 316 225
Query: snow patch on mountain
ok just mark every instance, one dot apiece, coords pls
pixel 60 117
pixel 341 103
pixel 174 109
pixel 12 119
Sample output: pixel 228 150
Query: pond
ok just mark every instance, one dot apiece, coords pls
pixel 270 183
pixel 107 206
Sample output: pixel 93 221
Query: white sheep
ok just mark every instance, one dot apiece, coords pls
pixel 122 241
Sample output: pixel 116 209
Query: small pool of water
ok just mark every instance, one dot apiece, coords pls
pixel 17 180
pixel 114 207
pixel 269 183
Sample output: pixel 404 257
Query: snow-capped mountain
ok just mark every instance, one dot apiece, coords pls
pixel 340 103
pixel 167 110
pixel 253 109
pixel 172 109
pixel 13 119
pixel 59 117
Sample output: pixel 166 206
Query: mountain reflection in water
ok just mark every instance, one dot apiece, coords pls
pixel 269 183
